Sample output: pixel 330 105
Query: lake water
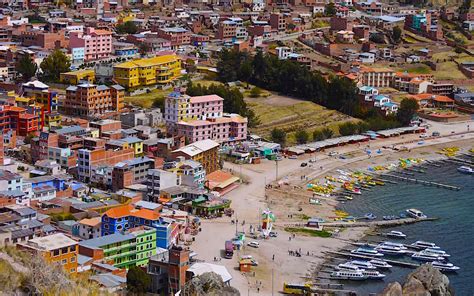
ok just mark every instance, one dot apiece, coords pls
pixel 453 232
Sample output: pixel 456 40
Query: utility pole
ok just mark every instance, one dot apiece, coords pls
pixel 276 170
pixel 272 281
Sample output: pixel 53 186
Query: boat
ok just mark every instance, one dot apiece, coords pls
pixel 466 170
pixel 397 234
pixel 370 216
pixel 348 275
pixel 426 257
pixel 366 251
pixel 390 217
pixel 424 245
pixel 392 244
pixel 437 252
pixel 380 263
pixel 362 264
pixel 373 274
pixel 415 213
pixel 444 266
pixel 347 266
pixel 390 250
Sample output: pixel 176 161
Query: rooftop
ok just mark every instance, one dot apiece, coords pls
pixel 198 147
pixel 51 242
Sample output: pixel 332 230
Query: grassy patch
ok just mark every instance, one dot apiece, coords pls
pixel 146 100
pixel 417 69
pixel 309 232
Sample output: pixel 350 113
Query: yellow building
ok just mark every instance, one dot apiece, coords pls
pixel 75 76
pixel 37 94
pixel 143 72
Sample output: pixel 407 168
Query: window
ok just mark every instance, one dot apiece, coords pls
pixel 56 252
pixel 73 259
pixel 64 261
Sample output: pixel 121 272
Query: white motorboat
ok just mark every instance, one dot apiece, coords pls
pixel 390 250
pixel 466 170
pixel 373 274
pixel 348 266
pixel 380 263
pixel 348 275
pixel 366 252
pixel 392 244
pixel 415 213
pixel 397 234
pixel 363 264
pixel 437 252
pixel 424 245
pixel 426 257
pixel 444 266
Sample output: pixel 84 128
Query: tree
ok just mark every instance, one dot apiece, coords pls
pixel 255 92
pixel 301 136
pixel 407 110
pixel 55 64
pixel 143 48
pixel 328 133
pixel 396 34
pixel 348 128
pixel 330 9
pixel 138 281
pixel 278 136
pixel 128 27
pixel 377 38
pixel 26 67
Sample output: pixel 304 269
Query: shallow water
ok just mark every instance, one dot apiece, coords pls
pixel 453 232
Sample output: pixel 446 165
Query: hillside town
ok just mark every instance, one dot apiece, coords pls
pixel 147 144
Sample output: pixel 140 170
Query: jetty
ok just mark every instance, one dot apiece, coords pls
pixel 392 262
pixel 423 182
pixel 459 160
pixel 384 223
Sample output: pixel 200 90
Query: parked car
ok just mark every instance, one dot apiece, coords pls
pixel 254 262
pixel 435 134
pixel 292 157
pixel 303 164
pixel 333 153
pixel 424 135
pixel 254 244
pixel 273 234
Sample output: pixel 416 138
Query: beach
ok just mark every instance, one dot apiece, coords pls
pixel 288 199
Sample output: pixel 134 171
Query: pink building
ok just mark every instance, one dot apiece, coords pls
pixel 229 128
pixel 97 43
pixel 200 118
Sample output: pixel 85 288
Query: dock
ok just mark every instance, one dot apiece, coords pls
pixel 392 262
pixel 459 161
pixel 383 223
pixel 423 182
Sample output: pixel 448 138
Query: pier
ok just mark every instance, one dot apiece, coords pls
pixel 392 262
pixel 459 161
pixel 423 182
pixel 384 223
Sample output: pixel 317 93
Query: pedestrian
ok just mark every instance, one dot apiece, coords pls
pixel 258 289
pixel 273 258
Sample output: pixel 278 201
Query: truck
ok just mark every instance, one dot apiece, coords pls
pixel 229 249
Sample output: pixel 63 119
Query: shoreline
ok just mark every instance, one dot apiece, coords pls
pixel 375 230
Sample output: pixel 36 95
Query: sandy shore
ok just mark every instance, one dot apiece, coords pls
pixel 290 204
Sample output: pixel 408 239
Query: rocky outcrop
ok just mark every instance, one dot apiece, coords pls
pixel 208 284
pixel 424 281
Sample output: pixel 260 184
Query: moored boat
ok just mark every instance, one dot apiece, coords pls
pixel 466 170
pixel 366 251
pixel 373 274
pixel 420 256
pixel 380 263
pixel 415 213
pixel 392 244
pixel 363 264
pixel 437 252
pixel 445 266
pixel 397 234
pixel 424 245
pixel 348 275
pixel 390 250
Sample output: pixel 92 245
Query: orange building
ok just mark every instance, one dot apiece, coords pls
pixel 89 99
pixel 16 118
pixel 55 248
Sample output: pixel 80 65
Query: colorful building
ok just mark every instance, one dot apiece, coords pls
pixel 74 77
pixel 125 217
pixel 56 248
pixel 88 99
pixel 19 120
pixel 133 247
pixel 143 72
pixel 97 43
pixel 204 152
pixel 44 100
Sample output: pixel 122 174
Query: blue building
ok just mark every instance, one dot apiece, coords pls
pixel 122 218
pixel 54 181
pixel 125 50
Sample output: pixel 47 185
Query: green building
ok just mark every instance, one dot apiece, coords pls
pixel 122 250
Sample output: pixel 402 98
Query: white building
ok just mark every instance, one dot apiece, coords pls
pixel 89 228
pixel 160 179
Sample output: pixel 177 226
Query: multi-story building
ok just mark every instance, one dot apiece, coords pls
pixel 75 77
pixel 88 228
pixel 97 43
pixel 134 247
pixel 201 118
pixel 441 89
pixel 412 83
pixel 19 120
pixel 89 159
pixel 177 36
pixel 167 270
pixel 90 100
pixel 160 179
pixel 376 77
pixel 55 248
pixel 231 28
pixel 46 100
pixel 151 71
pixel 106 126
pixel 130 172
pixel 277 22
pixel 204 152
pixel 10 181
pixel 65 157
pixel 41 144
pixel 126 217
pixel 42 39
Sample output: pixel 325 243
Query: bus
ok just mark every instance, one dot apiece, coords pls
pixel 229 249
pixel 297 289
